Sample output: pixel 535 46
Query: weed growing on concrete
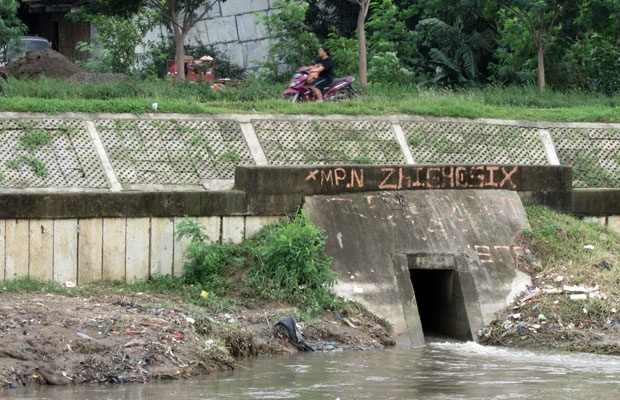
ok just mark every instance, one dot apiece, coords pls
pixel 35 139
pixel 587 172
pixel 37 166
pixel 230 156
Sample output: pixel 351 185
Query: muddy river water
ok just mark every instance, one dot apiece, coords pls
pixel 439 370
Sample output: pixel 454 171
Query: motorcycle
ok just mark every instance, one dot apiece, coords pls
pixel 340 89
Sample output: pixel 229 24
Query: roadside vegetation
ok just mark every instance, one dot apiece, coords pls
pixel 257 96
pixel 430 57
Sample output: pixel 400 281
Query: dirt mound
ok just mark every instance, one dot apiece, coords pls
pixel 47 63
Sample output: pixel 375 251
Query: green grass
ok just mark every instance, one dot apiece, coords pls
pixel 558 242
pixel 520 103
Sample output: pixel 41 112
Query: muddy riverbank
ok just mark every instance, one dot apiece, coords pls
pixel 138 337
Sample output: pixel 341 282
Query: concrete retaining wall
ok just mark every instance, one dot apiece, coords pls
pixel 88 250
pixel 90 169
pixel 232 28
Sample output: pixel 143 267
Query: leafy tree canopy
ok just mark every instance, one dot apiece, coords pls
pixel 10 25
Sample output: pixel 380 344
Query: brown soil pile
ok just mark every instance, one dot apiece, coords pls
pixel 47 63
pixel 120 338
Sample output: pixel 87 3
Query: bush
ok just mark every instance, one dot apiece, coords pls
pixel 386 68
pixel 291 255
pixel 283 262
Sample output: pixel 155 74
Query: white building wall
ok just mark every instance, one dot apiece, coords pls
pixel 232 28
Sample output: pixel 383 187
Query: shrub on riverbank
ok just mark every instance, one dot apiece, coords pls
pixel 282 262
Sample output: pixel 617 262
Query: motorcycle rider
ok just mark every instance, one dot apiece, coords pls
pixel 323 71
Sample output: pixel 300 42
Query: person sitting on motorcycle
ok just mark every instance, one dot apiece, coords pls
pixel 324 67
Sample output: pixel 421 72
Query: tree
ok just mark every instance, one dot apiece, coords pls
pixel 10 25
pixel 539 18
pixel 291 41
pixel 361 40
pixel 180 15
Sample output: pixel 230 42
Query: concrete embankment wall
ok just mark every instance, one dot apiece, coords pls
pixel 89 197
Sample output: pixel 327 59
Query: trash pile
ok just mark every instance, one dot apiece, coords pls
pixel 558 314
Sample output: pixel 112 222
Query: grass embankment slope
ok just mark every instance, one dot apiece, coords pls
pixel 52 96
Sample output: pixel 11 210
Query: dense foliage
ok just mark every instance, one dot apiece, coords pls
pixel 10 25
pixel 474 42
pixel 281 262
pixel 563 44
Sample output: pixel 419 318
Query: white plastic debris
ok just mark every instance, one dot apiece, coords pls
pixel 69 284
pixel 577 297
pixel 579 289
pixel 559 278
pixel 588 247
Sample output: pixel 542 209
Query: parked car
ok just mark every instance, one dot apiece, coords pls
pixel 18 47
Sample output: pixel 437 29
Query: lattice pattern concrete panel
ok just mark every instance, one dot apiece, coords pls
pixel 173 152
pixel 473 143
pixel 50 153
pixel 328 142
pixel 596 152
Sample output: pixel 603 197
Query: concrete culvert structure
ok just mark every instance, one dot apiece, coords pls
pixel 439 296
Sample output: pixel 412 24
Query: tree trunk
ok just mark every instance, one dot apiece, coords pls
pixel 541 67
pixel 361 39
pixel 179 57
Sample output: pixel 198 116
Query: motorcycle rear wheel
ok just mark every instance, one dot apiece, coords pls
pixel 292 97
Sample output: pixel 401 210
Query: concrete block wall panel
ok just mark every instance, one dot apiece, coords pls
pixel 124 249
pixel 233 229
pixel 613 222
pixel 66 250
pixel 235 7
pixel 249 28
pixel 161 247
pixel 138 246
pixel 114 249
pixel 2 249
pixel 41 249
pixel 16 253
pixel 220 30
pixel 90 257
